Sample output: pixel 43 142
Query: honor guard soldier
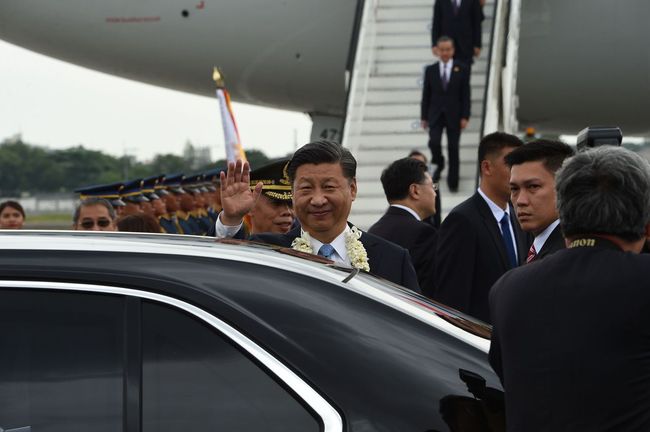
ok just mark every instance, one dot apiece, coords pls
pixel 131 194
pixel 169 189
pixel 167 221
pixel 195 186
pixel 214 196
pixel 109 192
pixel 185 204
pixel 189 204
pixel 158 208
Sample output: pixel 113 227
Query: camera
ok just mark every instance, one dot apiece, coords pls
pixel 594 136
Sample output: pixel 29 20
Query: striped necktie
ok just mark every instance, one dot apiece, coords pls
pixel 532 254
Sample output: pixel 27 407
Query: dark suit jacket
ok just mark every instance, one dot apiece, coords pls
pixel 464 28
pixel 471 256
pixel 400 227
pixel 553 243
pixel 571 341
pixel 386 260
pixel 454 102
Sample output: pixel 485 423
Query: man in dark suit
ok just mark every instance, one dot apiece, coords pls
pixel 480 239
pixel 532 188
pixel 323 181
pixel 412 198
pixel 445 105
pixel 571 336
pixel 434 220
pixel 460 20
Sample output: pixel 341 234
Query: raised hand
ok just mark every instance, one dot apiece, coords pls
pixel 237 198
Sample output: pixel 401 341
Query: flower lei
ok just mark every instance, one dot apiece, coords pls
pixel 356 252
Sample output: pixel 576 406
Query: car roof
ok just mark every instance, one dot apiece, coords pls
pixel 460 326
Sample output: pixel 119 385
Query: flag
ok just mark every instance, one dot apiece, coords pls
pixel 234 149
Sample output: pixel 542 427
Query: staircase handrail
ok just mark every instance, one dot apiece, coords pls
pixel 360 75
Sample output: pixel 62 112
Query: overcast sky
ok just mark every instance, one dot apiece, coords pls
pixel 59 105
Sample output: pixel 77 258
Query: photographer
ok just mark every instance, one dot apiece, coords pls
pixel 571 337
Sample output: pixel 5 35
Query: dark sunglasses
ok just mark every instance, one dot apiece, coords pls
pixel 88 224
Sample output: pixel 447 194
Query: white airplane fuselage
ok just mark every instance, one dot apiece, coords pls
pixel 288 54
pixel 581 62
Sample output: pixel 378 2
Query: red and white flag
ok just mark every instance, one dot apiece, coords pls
pixel 234 149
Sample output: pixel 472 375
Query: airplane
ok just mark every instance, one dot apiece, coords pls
pixel 582 62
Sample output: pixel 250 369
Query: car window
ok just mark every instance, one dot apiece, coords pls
pixel 61 367
pixel 194 379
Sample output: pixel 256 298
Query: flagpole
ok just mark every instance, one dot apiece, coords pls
pixel 234 149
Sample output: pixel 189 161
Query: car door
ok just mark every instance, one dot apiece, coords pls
pixel 100 358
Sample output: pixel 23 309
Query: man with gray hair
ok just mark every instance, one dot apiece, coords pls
pixel 571 336
pixel 94 214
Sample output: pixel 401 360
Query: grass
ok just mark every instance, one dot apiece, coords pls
pixel 48 221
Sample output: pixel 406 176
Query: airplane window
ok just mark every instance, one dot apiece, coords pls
pixel 61 365
pixel 194 379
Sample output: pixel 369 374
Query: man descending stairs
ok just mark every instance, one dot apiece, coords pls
pixel 383 118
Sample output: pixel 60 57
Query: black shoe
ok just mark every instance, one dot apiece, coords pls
pixel 452 188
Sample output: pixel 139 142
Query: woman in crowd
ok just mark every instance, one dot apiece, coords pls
pixel 12 215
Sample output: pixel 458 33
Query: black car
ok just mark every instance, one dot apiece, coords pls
pixel 110 332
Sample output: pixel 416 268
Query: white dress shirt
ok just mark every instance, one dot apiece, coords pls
pixel 544 235
pixel 225 231
pixel 340 254
pixel 445 68
pixel 408 209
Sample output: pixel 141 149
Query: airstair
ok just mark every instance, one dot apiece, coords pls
pixel 383 113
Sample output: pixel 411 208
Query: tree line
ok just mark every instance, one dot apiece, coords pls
pixel 31 169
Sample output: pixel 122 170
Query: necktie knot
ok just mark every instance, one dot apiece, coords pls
pixel 326 251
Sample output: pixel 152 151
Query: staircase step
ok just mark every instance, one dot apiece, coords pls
pixel 410 66
pixel 422 54
pixel 416 12
pixel 381 157
pixel 405 110
pixel 406 3
pixel 422 27
pixel 406 126
pixel 410 95
pixel 412 81
pixel 409 40
pixel 406 141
